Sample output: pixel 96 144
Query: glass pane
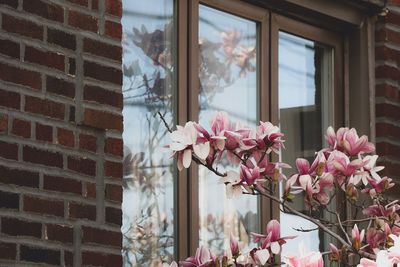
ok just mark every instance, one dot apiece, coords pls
pixel 228 82
pixel 149 172
pixel 305 93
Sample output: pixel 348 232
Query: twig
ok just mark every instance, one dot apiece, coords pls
pixel 165 123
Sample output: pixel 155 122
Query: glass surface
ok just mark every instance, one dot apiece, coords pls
pixel 228 82
pixel 305 95
pixel 149 172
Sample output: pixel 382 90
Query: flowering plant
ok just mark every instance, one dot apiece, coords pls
pixel 345 167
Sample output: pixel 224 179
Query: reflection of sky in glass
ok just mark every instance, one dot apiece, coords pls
pixel 296 90
pixel 238 99
pixel 147 87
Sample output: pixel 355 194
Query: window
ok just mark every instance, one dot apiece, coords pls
pixel 187 59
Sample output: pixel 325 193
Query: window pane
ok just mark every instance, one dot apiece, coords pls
pixel 149 172
pixel 305 93
pixel 228 82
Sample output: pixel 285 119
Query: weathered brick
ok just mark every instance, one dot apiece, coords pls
pixel 43 157
pixel 9 48
pixel 19 177
pixel 62 184
pixel 102 49
pixel 40 255
pixel 82 211
pixel 79 2
pixel 82 165
pixel 102 119
pixel 44 132
pixel 8 251
pixel 114 7
pixel 387 72
pixel 20 76
pixel 60 87
pixel 82 21
pixel 11 3
pixel 113 192
pixel 100 236
pixel 61 233
pixel 61 38
pixel 17 227
pixel 68 258
pixel 114 146
pixel 90 190
pixel 95 4
pixel 102 96
pixel 88 142
pixel 113 29
pixel 113 216
pixel 101 259
pixel 102 73
pixel 388 110
pixel 3 123
pixel 22 27
pixel 9 200
pixel 45 58
pixel 10 99
pixel 113 169
pixel 8 150
pixel 387 149
pixel 387 90
pixel 21 128
pixel 44 206
pixel 46 10
pixel 44 107
pixel 65 137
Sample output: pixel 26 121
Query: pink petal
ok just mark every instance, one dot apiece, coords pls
pixel 187 158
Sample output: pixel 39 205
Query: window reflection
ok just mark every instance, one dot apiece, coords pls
pixel 305 95
pixel 228 82
pixel 148 87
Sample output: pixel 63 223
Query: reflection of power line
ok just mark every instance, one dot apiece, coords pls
pixel 294 71
pixel 135 14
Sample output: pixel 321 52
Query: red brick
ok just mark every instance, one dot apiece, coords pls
pixel 44 206
pixel 113 216
pixel 61 38
pixel 100 236
pixel 88 142
pixel 8 151
pixel 45 58
pixel 8 251
pixel 43 157
pixel 60 87
pixel 114 192
pixel 61 233
pixel 114 7
pixel 387 130
pixel 20 76
pixel 21 128
pixel 82 21
pixel 388 110
pixel 114 146
pixel 68 258
pixel 102 96
pixel 44 107
pixel 82 165
pixel 11 3
pixel 392 18
pixel 10 99
pixel 113 169
pixel 16 227
pixel 45 10
pixel 113 29
pixel 387 149
pixel 22 27
pixel 79 2
pixel 44 132
pixel 102 119
pixel 9 200
pixel 389 91
pixel 102 73
pixel 19 177
pixel 90 190
pixel 65 137
pixel 101 259
pixel 102 49
pixel 3 123
pixel 387 72
pixel 82 211
pixel 61 184
pixel 40 255
pixel 95 4
pixel 9 48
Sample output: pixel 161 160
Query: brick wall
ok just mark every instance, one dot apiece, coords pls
pixel 387 72
pixel 60 132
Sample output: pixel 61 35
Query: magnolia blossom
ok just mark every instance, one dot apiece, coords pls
pixel 203 258
pixel 310 259
pixel 378 187
pixel 357 237
pixel 368 171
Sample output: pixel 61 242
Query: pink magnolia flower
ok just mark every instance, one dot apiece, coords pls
pixel 390 210
pixel 230 40
pixel 347 141
pixel 368 171
pixel 268 136
pixel 184 142
pixel 335 253
pixel 233 184
pixel 234 245
pixel 242 60
pixel 339 164
pixel 378 187
pixel 382 260
pixel 357 237
pixel 203 258
pixel 311 259
pixel 394 251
